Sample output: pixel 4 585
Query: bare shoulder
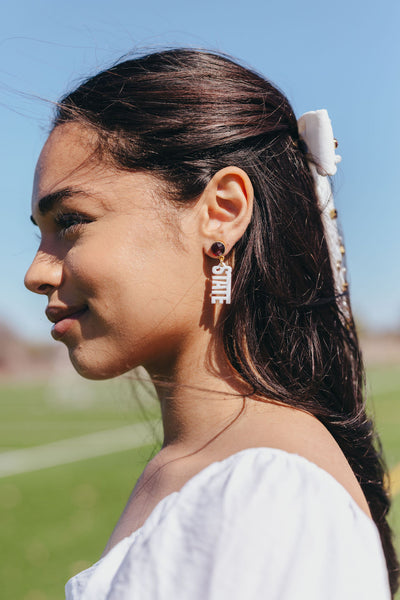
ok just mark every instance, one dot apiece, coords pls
pixel 299 432
pixel 272 426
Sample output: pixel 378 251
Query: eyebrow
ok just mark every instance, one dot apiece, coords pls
pixel 50 201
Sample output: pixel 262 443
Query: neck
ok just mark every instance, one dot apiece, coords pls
pixel 200 396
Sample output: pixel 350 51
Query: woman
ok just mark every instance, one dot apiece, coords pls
pixel 184 227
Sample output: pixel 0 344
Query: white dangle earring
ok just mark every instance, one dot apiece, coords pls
pixel 221 276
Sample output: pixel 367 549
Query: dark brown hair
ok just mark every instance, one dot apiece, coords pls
pixel 184 114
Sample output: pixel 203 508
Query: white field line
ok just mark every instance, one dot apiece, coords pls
pixel 96 444
pixel 75 449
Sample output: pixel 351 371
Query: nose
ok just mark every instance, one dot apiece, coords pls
pixel 44 274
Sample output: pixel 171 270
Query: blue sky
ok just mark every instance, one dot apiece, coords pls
pixel 343 56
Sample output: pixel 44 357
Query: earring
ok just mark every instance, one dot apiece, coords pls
pixel 221 276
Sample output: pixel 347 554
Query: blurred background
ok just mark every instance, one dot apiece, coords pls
pixel 71 450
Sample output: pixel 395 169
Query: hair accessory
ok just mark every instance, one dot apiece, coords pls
pixel 315 129
pixel 221 276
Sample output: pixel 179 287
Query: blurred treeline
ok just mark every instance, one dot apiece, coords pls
pixel 26 359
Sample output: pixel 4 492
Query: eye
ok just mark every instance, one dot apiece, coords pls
pixel 70 223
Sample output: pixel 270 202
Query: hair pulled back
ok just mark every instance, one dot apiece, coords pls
pixel 184 114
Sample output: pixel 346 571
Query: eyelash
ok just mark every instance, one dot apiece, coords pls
pixel 70 223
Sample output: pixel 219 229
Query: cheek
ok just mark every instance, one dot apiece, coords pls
pixel 143 300
pixel 105 265
pixel 124 283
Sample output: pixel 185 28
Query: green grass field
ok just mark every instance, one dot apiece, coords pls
pixel 56 521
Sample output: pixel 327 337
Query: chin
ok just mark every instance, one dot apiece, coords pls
pixel 94 368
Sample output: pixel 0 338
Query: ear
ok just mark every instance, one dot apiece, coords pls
pixel 226 207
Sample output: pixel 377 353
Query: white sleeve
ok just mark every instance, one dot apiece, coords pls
pixel 266 524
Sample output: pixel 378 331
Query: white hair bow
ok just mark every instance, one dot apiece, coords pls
pixel 315 129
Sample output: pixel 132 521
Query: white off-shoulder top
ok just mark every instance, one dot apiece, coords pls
pixel 262 523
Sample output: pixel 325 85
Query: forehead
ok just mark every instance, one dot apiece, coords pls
pixel 67 157
pixel 69 160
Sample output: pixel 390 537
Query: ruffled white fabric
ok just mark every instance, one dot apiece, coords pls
pixel 262 523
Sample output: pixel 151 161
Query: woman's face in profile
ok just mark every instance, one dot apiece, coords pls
pixel 124 285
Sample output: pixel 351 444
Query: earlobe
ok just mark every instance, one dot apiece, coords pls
pixel 227 206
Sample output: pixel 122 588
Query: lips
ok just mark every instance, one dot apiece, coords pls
pixel 63 318
pixel 57 313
